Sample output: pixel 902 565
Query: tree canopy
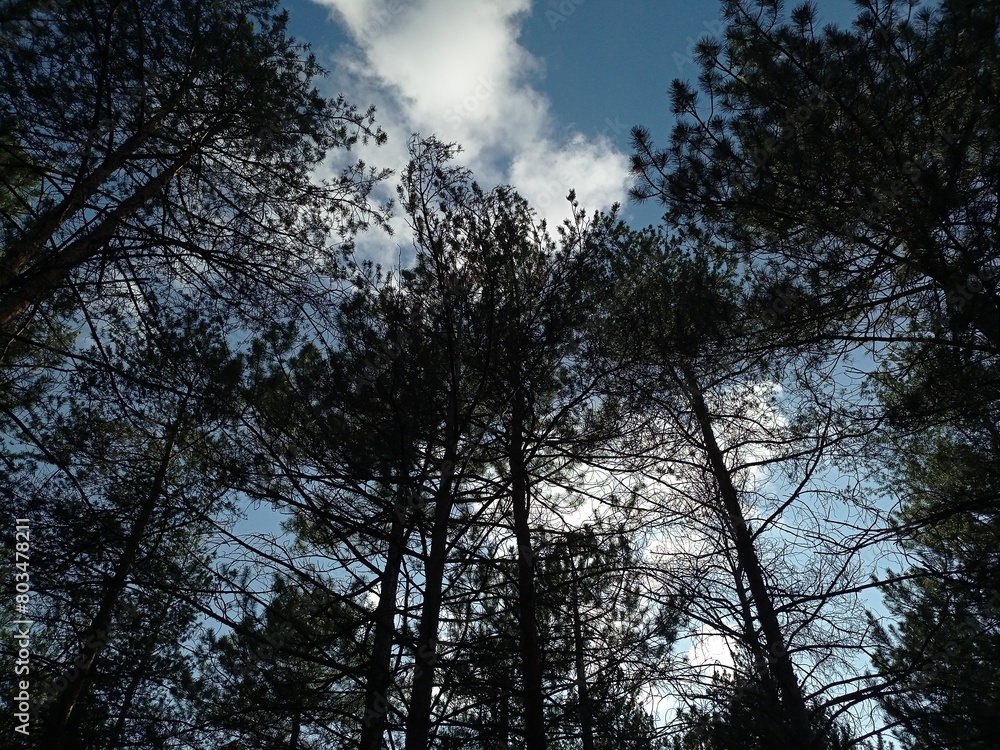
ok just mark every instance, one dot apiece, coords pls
pixel 726 482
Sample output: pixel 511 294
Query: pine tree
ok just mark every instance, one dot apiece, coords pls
pixel 119 468
pixel 278 680
pixel 939 657
pixel 849 166
pixel 173 140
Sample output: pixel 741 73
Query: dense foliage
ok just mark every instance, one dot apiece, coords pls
pixel 729 482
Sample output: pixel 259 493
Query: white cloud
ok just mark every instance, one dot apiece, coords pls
pixel 545 173
pixel 455 69
pixel 710 651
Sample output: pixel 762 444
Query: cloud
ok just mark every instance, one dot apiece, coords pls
pixel 546 172
pixel 455 69
pixel 710 651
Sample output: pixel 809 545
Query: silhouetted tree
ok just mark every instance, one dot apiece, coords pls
pixel 172 138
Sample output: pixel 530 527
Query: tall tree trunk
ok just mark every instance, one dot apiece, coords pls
pixel 20 254
pixel 750 636
pixel 293 741
pixel 792 699
pixel 26 276
pixel 973 301
pixel 582 689
pixel 379 678
pixel 126 707
pixel 35 284
pixel 531 660
pixel 95 637
pixel 504 738
pixel 418 719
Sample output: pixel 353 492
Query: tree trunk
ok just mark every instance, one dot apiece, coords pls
pixel 531 661
pixel 35 284
pixel 128 698
pixel 418 719
pixel 379 678
pixel 21 254
pixel 792 700
pixel 504 737
pixel 582 690
pixel 293 741
pixel 95 637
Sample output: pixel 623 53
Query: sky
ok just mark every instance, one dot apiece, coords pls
pixel 540 94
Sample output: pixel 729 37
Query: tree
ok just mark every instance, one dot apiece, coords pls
pixel 121 470
pixel 391 373
pixel 536 300
pixel 17 178
pixel 527 300
pixel 276 682
pixel 599 641
pixel 735 468
pixel 940 655
pixel 852 172
pixel 347 437
pixel 170 139
pixel 608 636
pixel 466 372
pixel 506 341
pixel 742 715
pixel 853 167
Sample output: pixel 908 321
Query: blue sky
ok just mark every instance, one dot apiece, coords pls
pixel 541 94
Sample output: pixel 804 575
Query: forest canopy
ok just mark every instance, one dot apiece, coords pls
pixel 729 482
